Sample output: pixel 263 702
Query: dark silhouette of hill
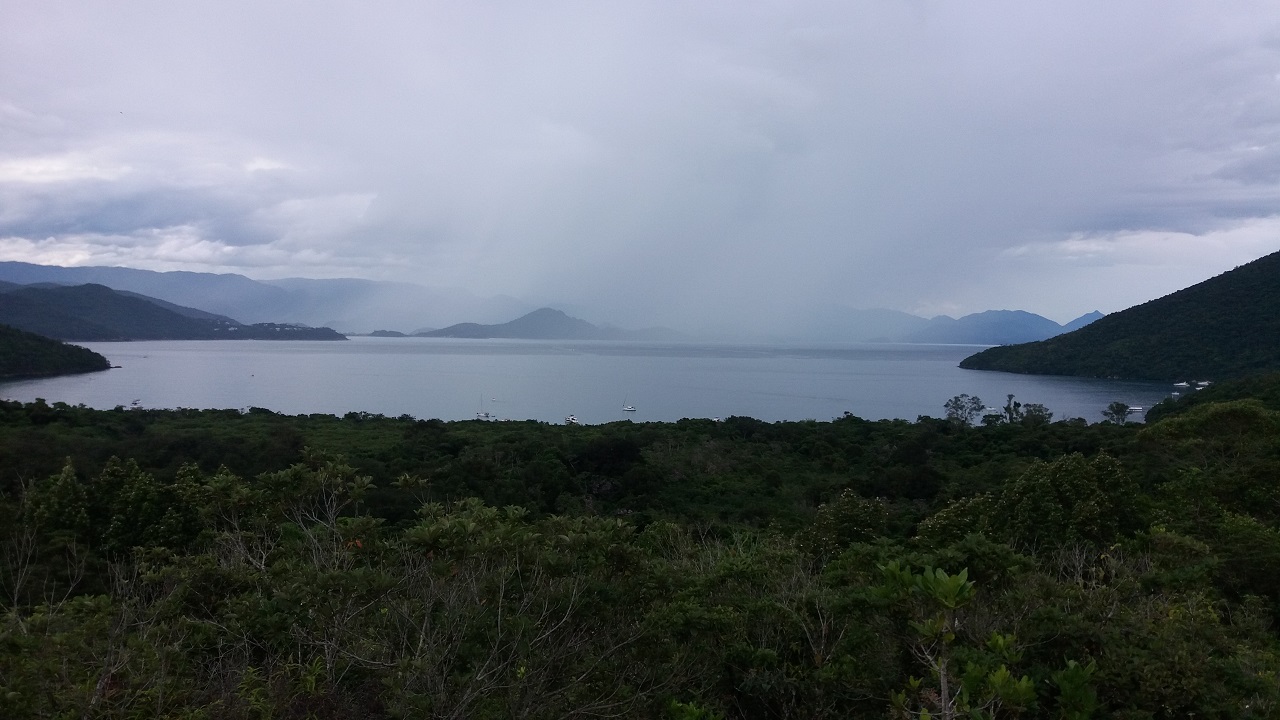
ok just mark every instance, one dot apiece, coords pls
pixel 98 313
pixel 25 354
pixel 548 324
pixel 1227 326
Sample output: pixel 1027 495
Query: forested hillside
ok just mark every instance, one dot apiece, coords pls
pixel 96 312
pixel 1227 326
pixel 24 354
pixel 222 564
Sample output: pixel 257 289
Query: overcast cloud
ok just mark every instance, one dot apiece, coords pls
pixel 694 164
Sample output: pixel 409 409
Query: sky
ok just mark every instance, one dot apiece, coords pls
pixel 700 165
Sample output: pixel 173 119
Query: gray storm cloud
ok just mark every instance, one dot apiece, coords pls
pixel 692 164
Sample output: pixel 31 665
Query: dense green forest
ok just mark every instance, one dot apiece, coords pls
pixel 226 564
pixel 1227 326
pixel 24 354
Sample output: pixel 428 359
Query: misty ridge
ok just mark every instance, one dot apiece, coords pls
pixel 93 312
pixel 356 306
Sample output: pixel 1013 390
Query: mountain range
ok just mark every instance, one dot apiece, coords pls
pixel 362 306
pixel 985 328
pixel 348 305
pixel 1226 326
pixel 993 327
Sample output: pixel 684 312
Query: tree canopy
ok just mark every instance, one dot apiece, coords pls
pixel 24 354
pixel 183 563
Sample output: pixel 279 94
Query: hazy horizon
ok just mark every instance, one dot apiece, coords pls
pixel 703 167
pixel 372 309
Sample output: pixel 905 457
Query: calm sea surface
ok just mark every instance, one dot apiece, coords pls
pixel 548 380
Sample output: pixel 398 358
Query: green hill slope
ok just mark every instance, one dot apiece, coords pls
pixel 1226 326
pixel 24 354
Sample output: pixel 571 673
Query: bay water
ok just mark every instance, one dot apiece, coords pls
pixel 550 380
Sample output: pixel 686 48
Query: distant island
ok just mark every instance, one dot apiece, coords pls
pixel 1227 326
pixel 549 324
pixel 27 355
pixel 91 312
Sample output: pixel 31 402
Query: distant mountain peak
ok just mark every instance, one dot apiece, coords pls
pixel 547 313
pixel 1083 320
pixel 547 324
pixel 990 327
pixel 541 324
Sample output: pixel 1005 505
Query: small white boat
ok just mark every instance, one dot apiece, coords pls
pixel 1182 384
pixel 628 408
pixel 572 420
pixel 1204 383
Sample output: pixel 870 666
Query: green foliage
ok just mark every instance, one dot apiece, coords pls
pixel 848 519
pixel 1012 410
pixel 1036 415
pixel 61 506
pixel 963 409
pixel 677 710
pixel 965 677
pixel 1077 698
pixel 696 569
pixel 1262 387
pixel 1069 500
pixel 960 518
pixel 1117 413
